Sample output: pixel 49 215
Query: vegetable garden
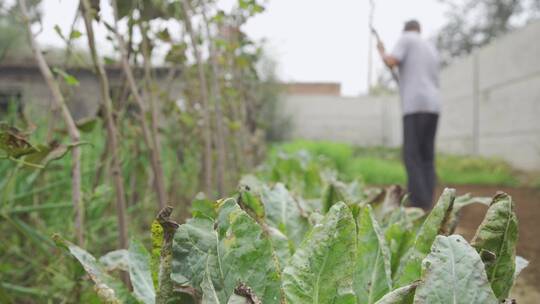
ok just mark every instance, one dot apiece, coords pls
pixel 288 244
pixel 243 226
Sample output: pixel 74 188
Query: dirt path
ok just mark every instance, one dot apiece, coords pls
pixel 527 289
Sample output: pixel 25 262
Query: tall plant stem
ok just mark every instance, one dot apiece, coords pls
pixel 215 91
pixel 111 127
pixel 207 128
pixel 149 135
pixel 70 124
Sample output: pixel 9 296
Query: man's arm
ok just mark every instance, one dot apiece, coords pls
pixel 389 60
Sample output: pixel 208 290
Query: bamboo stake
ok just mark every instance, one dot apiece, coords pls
pixel 150 141
pixel 207 131
pixel 216 98
pixel 111 127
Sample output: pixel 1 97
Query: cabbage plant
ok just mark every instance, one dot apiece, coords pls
pixel 352 245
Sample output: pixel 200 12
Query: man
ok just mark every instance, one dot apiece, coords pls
pixel 418 64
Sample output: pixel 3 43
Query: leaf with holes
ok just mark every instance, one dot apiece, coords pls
pixel 320 270
pixel 234 247
pixel 498 234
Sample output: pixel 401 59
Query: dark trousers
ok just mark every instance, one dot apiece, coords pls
pixel 419 131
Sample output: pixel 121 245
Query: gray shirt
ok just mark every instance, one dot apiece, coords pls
pixel 418 74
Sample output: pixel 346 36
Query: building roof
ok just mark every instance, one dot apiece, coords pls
pixel 313 88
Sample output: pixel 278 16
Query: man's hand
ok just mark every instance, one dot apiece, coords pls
pixel 389 60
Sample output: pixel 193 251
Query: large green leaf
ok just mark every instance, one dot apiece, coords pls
pixel 402 295
pixel 410 270
pixel 193 243
pixel 498 234
pixel 140 274
pixel 320 270
pixel 372 278
pixel 246 255
pixel 109 289
pixel 453 273
pixel 283 212
pixel 237 250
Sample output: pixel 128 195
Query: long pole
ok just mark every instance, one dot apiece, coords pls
pixel 370 46
pixel 392 71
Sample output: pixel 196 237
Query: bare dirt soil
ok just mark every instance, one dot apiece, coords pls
pixel 527 202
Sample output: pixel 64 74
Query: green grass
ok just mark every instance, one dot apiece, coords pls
pixel 383 166
pixel 475 171
pixel 376 171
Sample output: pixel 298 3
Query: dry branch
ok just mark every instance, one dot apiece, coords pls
pixel 88 16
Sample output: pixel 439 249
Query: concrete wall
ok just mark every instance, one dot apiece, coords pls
pixel 492 101
pixel 491 106
pixel 355 120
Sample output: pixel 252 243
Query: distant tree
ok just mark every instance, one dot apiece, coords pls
pixel 13 40
pixel 474 23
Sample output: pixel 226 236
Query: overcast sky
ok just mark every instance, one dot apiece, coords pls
pixel 311 40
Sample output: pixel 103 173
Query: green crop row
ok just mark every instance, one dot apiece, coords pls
pixel 273 242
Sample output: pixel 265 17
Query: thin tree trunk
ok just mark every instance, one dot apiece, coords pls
pixel 241 106
pixel 70 124
pixel 150 141
pixel 215 91
pixel 103 163
pixel 207 127
pixel 160 178
pixel 111 127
